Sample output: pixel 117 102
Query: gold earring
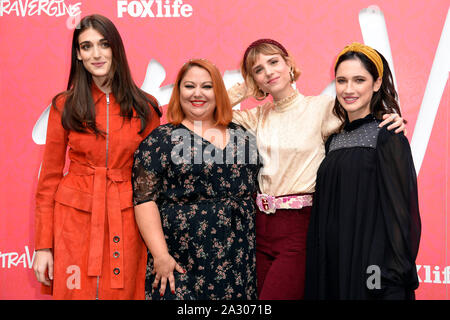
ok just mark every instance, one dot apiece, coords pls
pixel 265 94
pixel 291 73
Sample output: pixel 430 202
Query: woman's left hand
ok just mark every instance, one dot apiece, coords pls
pixel 163 268
pixel 398 122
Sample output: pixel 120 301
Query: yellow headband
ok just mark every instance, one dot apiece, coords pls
pixel 368 52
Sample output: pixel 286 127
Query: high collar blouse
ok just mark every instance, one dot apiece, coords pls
pixel 290 134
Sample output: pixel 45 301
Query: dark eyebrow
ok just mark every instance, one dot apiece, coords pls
pixel 268 60
pixel 256 67
pixel 88 42
pixel 193 82
pixel 357 76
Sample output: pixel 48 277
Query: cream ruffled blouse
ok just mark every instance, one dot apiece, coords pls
pixel 291 135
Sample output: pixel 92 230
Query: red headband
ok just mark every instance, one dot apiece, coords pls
pixel 261 41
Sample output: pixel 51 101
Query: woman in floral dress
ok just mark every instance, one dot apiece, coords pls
pixel 194 180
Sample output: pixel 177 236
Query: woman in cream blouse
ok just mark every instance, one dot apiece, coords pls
pixel 291 132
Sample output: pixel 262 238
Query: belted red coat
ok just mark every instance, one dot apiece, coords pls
pixel 86 216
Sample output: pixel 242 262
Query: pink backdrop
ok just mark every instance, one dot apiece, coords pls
pixel 35 51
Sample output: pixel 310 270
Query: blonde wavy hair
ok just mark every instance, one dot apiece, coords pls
pixel 250 60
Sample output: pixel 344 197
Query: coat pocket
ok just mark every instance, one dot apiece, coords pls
pixel 83 200
pixel 74 198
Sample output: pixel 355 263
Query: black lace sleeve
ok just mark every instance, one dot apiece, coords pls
pixel 148 166
pixel 397 185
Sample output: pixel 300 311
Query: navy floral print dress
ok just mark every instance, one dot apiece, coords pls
pixel 205 198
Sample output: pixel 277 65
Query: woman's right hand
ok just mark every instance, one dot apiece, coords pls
pixel 43 261
pixel 163 267
pixel 238 93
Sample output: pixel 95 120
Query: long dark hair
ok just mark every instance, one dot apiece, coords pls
pixel 384 100
pixel 79 108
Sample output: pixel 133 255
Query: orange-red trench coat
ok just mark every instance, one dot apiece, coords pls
pixel 87 216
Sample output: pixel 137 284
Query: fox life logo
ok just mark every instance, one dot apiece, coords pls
pixel 154 9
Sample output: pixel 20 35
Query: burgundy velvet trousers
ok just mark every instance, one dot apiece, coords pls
pixel 281 253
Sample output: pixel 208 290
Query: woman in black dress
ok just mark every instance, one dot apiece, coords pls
pixel 193 182
pixel 364 233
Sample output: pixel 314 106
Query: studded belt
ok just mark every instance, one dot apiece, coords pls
pixel 269 204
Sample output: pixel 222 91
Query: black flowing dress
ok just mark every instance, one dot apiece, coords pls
pixel 205 198
pixel 364 232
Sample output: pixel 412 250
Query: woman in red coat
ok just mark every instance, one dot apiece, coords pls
pixel 87 243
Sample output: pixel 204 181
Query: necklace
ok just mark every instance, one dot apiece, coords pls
pixel 285 101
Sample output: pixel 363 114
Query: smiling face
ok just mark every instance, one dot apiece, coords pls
pixel 95 53
pixel 271 75
pixel 197 97
pixel 355 87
